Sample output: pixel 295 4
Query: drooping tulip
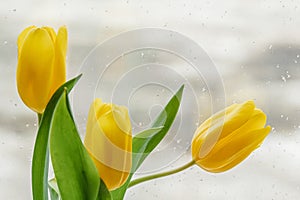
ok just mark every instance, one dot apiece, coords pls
pixel 228 137
pixel 109 142
pixel 41 65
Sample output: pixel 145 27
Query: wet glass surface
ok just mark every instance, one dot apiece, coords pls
pixel 254 46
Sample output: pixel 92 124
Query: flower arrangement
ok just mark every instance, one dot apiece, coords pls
pixel 103 165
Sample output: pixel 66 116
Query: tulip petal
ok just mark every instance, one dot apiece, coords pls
pixel 59 66
pixel 235 117
pixel 224 157
pixel 257 121
pixel 22 37
pixel 201 132
pixel 109 142
pixel 121 117
pixel 112 178
pixel 51 33
pixel 92 119
pixel 216 118
pixel 34 69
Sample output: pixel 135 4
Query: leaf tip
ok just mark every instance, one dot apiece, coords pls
pixel 179 92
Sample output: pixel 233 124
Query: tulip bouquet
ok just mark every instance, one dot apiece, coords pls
pixel 103 165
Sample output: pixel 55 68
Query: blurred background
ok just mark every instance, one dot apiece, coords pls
pixel 253 45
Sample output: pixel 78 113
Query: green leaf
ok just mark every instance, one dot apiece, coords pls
pixel 75 172
pixel 104 193
pixel 53 188
pixel 40 160
pixel 142 146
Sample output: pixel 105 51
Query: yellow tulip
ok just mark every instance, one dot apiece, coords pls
pixel 109 142
pixel 41 65
pixel 228 137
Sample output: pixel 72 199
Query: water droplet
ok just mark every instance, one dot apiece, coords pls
pixel 140 123
pixel 27 125
pixel 142 55
pixel 277 66
pixel 298 56
pixel 281 116
pixel 5 42
pixel 178 141
pixel 270 47
pixel 283 78
pixel 203 89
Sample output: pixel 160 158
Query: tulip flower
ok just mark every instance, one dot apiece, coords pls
pixel 228 137
pixel 109 142
pixel 41 65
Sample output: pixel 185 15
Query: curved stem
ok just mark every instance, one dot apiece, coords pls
pixel 159 175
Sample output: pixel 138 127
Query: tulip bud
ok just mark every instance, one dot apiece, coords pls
pixel 41 65
pixel 109 142
pixel 228 137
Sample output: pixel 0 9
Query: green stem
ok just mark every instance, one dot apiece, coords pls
pixel 39 118
pixel 159 175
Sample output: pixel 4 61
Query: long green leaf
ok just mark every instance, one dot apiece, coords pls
pixel 40 160
pixel 76 175
pixel 142 146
